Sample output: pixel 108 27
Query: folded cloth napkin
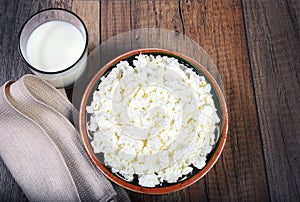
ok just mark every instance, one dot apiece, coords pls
pixel 42 149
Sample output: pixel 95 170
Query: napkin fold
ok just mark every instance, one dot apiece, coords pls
pixel 42 149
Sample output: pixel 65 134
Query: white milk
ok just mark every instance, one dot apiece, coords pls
pixel 55 46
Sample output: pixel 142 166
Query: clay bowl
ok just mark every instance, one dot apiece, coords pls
pixel 165 187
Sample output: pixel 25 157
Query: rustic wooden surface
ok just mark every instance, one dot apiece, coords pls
pixel 273 30
pixel 256 47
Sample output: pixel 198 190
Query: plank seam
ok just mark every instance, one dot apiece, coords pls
pixel 100 22
pixel 206 188
pixel 255 98
pixel 181 17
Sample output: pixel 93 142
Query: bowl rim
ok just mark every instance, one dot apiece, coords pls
pixel 152 190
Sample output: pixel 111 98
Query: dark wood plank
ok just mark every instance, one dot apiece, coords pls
pixel 13 14
pixel 66 4
pixel 273 29
pixel 89 12
pixel 114 18
pixel 240 173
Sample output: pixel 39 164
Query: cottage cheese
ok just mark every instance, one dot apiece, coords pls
pixel 155 119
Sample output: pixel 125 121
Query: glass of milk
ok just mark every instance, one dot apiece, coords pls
pixel 53 43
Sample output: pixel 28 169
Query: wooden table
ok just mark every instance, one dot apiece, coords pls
pixel 256 47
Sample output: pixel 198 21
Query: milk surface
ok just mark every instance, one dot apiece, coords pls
pixel 54 46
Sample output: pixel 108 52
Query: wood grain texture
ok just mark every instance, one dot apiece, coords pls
pixel 13 15
pixel 273 29
pixel 114 18
pixel 89 12
pixel 240 173
pixel 66 4
pixel 156 14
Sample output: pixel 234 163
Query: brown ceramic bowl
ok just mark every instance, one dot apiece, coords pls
pixel 196 173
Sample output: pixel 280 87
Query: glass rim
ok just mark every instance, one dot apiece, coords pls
pixel 69 67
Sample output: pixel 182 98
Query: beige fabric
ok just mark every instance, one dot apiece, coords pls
pixel 42 148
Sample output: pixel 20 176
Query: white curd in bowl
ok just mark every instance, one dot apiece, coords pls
pixel 154 119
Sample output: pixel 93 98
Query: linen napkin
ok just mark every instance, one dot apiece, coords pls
pixel 42 149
